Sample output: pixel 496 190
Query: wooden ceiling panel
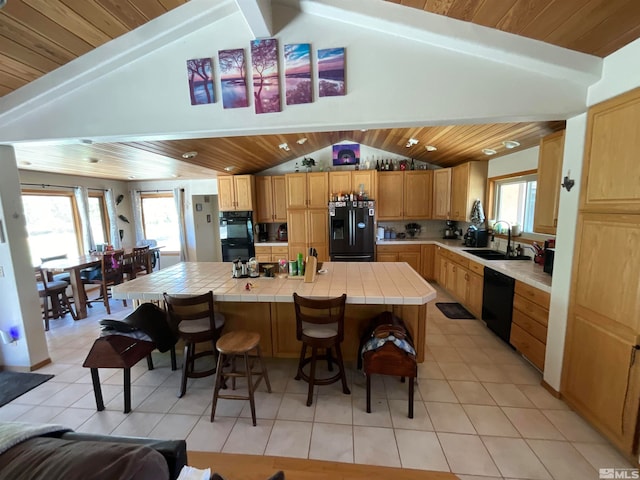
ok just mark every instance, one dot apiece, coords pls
pixel 98 17
pixel 125 12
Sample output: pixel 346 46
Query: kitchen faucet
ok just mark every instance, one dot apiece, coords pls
pixel 508 253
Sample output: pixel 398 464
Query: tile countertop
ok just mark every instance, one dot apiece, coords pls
pixel 525 271
pixel 373 283
pixel 271 244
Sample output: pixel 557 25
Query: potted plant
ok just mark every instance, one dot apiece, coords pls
pixel 308 162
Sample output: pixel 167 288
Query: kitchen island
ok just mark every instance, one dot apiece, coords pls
pixel 265 305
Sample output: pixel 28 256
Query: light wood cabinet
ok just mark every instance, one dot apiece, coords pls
pixel 236 193
pixel 468 184
pixel 427 256
pixel 441 193
pixel 349 181
pixel 405 195
pixel 400 253
pixel 271 254
pixel 545 217
pixel 307 190
pixel 529 326
pixel 308 228
pixel 271 206
pixel 461 277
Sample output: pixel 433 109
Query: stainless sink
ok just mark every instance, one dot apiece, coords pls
pixel 495 255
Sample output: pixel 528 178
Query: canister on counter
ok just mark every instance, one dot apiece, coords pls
pixel 293 268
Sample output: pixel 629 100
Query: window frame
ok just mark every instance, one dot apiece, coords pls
pixel 105 214
pixel 493 183
pixel 144 195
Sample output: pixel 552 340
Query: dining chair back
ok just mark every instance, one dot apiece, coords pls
pixel 110 275
pixel 63 276
pixel 138 263
pixel 55 303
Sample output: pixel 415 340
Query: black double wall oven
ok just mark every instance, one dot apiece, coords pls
pixel 236 236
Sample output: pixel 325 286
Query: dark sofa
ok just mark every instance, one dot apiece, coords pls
pixel 76 456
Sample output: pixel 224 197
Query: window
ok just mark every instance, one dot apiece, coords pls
pixel 98 219
pixel 52 224
pixel 515 200
pixel 160 220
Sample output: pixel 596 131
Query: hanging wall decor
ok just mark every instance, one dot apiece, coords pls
pixel 331 81
pixel 200 74
pixel 233 78
pixel 266 83
pixel 297 73
pixel 346 154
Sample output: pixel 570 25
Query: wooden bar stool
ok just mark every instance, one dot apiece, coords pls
pixel 229 346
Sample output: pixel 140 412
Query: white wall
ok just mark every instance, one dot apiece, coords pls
pixel 206 228
pixel 513 163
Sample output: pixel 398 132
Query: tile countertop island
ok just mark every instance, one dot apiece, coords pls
pixel 527 271
pixel 267 305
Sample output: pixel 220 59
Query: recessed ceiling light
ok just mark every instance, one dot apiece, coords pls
pixel 411 142
pixel 301 141
pixel 284 146
pixel 229 168
pixel 431 148
pixel 131 177
pixel 364 130
pixel 189 155
pixel 489 151
pixel 86 141
pixel 511 144
pixel 93 160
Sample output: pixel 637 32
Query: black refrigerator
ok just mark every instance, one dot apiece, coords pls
pixel 351 231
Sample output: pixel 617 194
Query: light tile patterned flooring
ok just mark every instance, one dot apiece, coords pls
pixel 480 411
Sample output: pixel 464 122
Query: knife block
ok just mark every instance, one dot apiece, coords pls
pixel 310 269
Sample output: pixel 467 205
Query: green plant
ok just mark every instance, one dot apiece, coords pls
pixel 308 162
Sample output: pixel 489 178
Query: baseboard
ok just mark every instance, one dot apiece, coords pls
pixel 550 389
pixel 41 364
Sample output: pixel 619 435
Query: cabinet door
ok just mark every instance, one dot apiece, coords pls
pixel 390 195
pixel 296 190
pixel 441 193
pixel 297 226
pixel 387 257
pixel 427 257
pixel 452 272
pixel 418 194
pixel 545 217
pixel 318 231
pixel 474 293
pixel 611 169
pixel 412 258
pixel 366 178
pixel 279 199
pixel 226 197
pixel 263 254
pixel 459 187
pixel 461 287
pixel 340 182
pixel 264 200
pixel 317 190
pixel 244 186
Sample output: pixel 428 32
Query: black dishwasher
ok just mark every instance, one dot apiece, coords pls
pixel 497 302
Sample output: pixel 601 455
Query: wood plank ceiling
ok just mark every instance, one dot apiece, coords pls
pixel 37 36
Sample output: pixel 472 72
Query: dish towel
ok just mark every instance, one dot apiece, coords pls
pixel 477 213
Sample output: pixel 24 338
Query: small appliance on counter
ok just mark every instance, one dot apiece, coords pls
pixel 549 256
pixel 282 233
pixel 476 237
pixel 262 232
pixel 451 232
pixel 412 229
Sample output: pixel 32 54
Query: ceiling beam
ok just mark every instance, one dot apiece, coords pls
pixel 257 14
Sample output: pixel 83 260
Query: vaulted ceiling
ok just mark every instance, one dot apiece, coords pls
pixel 38 36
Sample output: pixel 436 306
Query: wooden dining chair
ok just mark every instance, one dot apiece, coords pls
pixel 110 274
pixel 64 276
pixel 55 303
pixel 138 263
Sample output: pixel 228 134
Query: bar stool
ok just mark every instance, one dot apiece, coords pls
pixel 229 346
pixel 320 325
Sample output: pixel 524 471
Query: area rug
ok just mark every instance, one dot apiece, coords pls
pixel 454 311
pixel 14 384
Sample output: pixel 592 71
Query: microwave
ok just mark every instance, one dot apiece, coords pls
pixel 549 254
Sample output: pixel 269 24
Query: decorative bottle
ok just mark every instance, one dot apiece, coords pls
pixel 413 165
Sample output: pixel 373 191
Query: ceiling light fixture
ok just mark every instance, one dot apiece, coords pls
pixel 489 151
pixel 189 155
pixel 411 142
pixel 229 168
pixel 86 141
pixel 431 148
pixel 511 144
pixel 364 129
pixel 131 177
pixel 301 141
pixel 93 160
pixel 284 146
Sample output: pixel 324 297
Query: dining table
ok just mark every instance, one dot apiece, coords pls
pixel 75 266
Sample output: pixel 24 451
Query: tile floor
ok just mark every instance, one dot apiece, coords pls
pixel 480 411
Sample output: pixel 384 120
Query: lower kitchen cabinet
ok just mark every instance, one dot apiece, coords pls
pixel 461 277
pixel 270 254
pixel 529 325
pixel 400 253
pixel 427 257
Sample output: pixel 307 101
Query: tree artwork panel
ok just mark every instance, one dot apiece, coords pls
pixel 297 60
pixel 233 78
pixel 266 84
pixel 346 154
pixel 200 81
pixel 331 72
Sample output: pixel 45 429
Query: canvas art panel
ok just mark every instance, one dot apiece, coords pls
pixel 266 83
pixel 331 80
pixel 233 78
pixel 200 72
pixel 297 74
pixel 346 154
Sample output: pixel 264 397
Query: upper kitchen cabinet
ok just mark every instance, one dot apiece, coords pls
pixel 468 184
pixel 271 201
pixel 611 168
pixel 441 193
pixel 350 181
pixel 236 192
pixel 307 190
pixel 405 195
pixel 545 217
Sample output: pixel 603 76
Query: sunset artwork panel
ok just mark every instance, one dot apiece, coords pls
pixel 297 60
pixel 331 72
pixel 233 78
pixel 199 71
pixel 346 154
pixel 266 83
